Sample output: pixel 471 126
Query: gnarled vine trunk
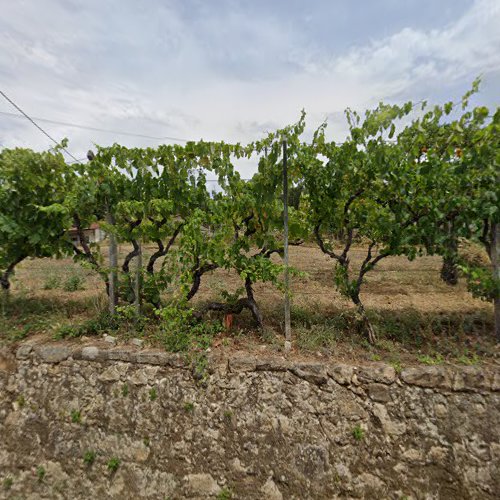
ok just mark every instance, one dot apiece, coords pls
pixel 237 307
pixel 495 260
pixel 449 269
pixel 372 337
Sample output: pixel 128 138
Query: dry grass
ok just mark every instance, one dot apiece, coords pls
pixel 414 312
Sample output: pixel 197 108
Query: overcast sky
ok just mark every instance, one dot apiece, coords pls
pixel 231 70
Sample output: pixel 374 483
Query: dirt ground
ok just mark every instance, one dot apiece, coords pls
pixel 416 315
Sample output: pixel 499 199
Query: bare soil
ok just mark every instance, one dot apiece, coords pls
pixel 417 316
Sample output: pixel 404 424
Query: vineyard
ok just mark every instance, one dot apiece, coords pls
pixel 413 190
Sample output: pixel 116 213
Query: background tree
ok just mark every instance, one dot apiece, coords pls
pixel 457 149
pixel 366 189
pixel 33 216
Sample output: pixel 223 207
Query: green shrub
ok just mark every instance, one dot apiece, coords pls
pixel 95 326
pixel 52 282
pixel 431 360
pixel 73 283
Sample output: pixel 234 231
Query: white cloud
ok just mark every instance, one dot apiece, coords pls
pixel 469 46
pixel 164 69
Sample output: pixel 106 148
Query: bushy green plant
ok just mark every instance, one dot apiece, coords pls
pixel 52 282
pixel 481 283
pixel 103 323
pixel 428 359
pixel 73 283
pixel 182 331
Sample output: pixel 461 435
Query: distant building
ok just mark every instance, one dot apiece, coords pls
pixel 93 234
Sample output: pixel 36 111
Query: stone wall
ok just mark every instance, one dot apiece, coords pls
pixel 257 428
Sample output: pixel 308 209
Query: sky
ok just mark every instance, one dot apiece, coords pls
pixel 231 70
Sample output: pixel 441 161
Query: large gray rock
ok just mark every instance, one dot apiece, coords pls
pixel 270 491
pixel 379 372
pixel 53 353
pixel 202 484
pixel 428 376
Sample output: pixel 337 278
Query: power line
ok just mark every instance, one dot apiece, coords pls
pixel 36 124
pixel 77 161
pixel 216 180
pixel 97 129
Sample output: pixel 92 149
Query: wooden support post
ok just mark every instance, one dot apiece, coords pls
pixel 288 328
pixel 113 266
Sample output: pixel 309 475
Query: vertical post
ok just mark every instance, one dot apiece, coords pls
pixel 288 328
pixel 113 265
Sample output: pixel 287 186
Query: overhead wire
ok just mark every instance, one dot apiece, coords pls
pixel 7 98
pixel 98 129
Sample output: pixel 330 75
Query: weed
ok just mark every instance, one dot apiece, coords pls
pixel 40 472
pixel 89 457
pixel 376 357
pixel 188 406
pixel 358 433
pixel 224 494
pixel 319 336
pixel 67 331
pixel 469 359
pixel 113 464
pixel 228 414
pixel 7 483
pixel 396 364
pixel 386 345
pixel 153 394
pixel 73 283
pixel 95 326
pixel 21 401
pixel 199 363
pixel 431 360
pixel 301 316
pixel 146 441
pixel 76 416
pixel 52 282
pixel 125 390
pixel 181 332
